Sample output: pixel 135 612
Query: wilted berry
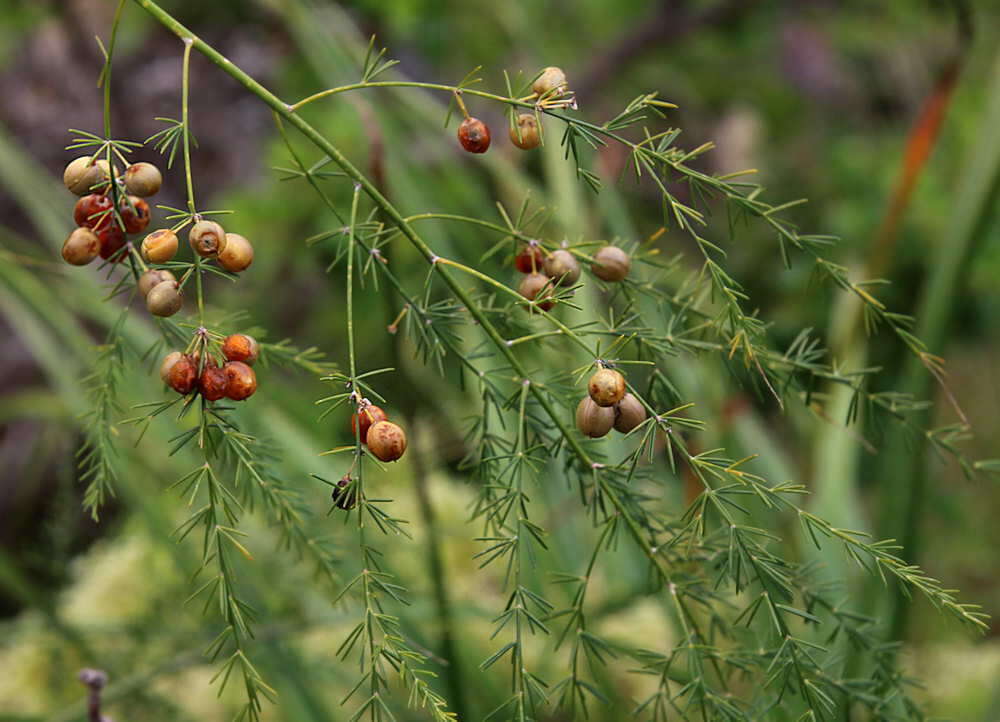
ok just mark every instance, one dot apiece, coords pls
pixel 135 214
pixel 81 247
pixel 551 82
pixel 371 415
pixel 525 133
pixel 345 494
pixel 562 267
pixel 530 259
pixel 534 284
pixel 93 211
pixel 159 246
pixel 183 374
pixel 84 173
pixel 241 381
pixel 237 255
pixel 213 382
pixel 386 440
pixel 240 347
pixel 143 179
pixel 629 413
pixel 164 299
pixel 593 420
pixel 474 135
pixel 152 278
pixel 207 238
pixel 606 387
pixel 611 264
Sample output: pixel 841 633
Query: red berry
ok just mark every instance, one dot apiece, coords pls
pixel 371 415
pixel 240 347
pixel 112 242
pixel 93 211
pixel 135 214
pixel 213 382
pixel 183 375
pixel 530 259
pixel 241 381
pixel 474 135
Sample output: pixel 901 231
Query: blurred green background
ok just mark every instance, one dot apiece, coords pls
pixel 820 96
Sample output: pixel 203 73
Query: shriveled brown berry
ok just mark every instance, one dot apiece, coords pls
pixel 611 264
pixel 81 247
pixel 152 278
pixel 168 363
pixel 593 420
pixel 240 347
pixel 525 133
pixel 551 82
pixel 135 214
pixel 112 239
pixel 164 299
pixel 207 238
pixel 534 284
pixel 386 440
pixel 345 494
pixel 474 135
pixel 241 381
pixel 237 255
pixel 629 413
pixel 143 179
pixel 213 382
pixel 93 211
pixel 529 259
pixel 83 174
pixel 371 415
pixel 159 246
pixel 562 267
pixel 606 387
pixel 183 375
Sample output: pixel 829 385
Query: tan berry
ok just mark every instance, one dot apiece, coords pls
pixel 371 415
pixel 213 382
pixel 84 173
pixel 611 264
pixel 168 363
pixel 150 279
pixel 164 299
pixel 593 420
pixel 534 284
pixel 525 134
pixel 562 267
pixel 143 179
pixel 240 347
pixel 386 440
pixel 241 381
pixel 207 238
pixel 474 135
pixel 159 246
pixel 237 255
pixel 81 247
pixel 606 387
pixel 629 413
pixel 183 375
pixel 551 82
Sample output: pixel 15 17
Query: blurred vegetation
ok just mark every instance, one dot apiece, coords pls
pixel 820 96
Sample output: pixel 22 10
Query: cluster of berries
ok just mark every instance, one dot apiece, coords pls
pixel 385 440
pixel 608 406
pixel 560 268
pixel 474 134
pixel 101 230
pixel 186 373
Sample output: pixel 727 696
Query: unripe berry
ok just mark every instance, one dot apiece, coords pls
pixel 606 387
pixel 534 284
pixel 152 278
pixel 81 247
pixel 241 381
pixel 213 382
pixel 164 299
pixel 525 134
pixel 183 375
pixel 207 239
pixel 474 135
pixel 112 239
pixel 386 440
pixel 530 259
pixel 371 415
pixel 552 82
pixel 345 494
pixel 562 267
pixel 593 420
pixel 93 211
pixel 143 179
pixel 629 413
pixel 240 347
pixel 611 264
pixel 135 214
pixel 168 363
pixel 237 254
pixel 84 173
pixel 159 246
